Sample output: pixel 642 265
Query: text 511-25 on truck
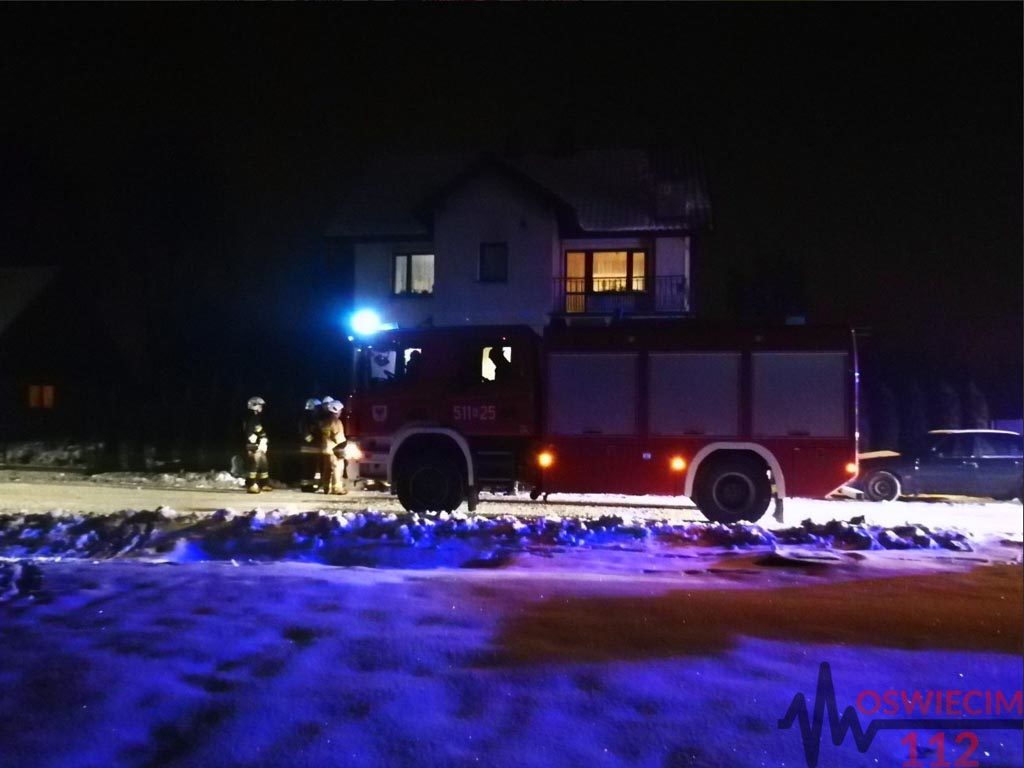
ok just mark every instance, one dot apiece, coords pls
pixel 727 417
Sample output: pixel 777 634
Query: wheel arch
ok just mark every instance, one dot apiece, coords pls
pixel 708 451
pixel 402 437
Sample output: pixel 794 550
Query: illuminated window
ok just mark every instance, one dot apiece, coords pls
pixel 603 272
pixel 610 268
pixel 575 281
pixel 637 271
pixel 41 396
pixel 493 262
pixel 413 274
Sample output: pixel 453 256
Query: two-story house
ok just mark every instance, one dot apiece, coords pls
pixel 461 239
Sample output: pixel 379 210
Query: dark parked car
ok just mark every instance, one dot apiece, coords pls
pixel 975 462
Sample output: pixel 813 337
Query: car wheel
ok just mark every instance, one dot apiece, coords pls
pixel 732 490
pixel 882 486
pixel 430 484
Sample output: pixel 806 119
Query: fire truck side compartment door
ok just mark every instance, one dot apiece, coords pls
pixel 592 393
pixel 799 394
pixel 694 393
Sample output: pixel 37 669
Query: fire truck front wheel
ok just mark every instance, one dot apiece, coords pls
pixel 429 484
pixel 733 489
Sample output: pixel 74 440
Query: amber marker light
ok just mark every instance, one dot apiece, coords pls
pixel 545 459
pixel 851 467
pixel 677 463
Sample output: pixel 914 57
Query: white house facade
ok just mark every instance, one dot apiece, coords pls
pixel 486 240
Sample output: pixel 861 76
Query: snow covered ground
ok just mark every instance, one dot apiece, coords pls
pixel 209 664
pixel 648 638
pixel 207 492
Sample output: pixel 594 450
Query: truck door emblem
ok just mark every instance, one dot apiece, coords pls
pixel 380 413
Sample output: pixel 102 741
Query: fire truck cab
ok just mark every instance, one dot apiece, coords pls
pixel 730 418
pixel 442 412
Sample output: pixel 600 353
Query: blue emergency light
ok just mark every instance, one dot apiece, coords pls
pixel 366 322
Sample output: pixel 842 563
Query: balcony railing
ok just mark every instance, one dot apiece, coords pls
pixel 664 294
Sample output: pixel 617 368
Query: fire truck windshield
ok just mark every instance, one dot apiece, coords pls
pixel 379 365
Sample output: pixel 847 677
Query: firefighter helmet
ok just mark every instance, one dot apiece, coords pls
pixel 255 403
pixel 312 403
pixel 334 407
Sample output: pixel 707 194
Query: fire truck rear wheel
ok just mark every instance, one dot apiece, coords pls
pixel 430 484
pixel 733 490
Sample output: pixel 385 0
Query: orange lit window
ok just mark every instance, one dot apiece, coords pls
pixel 610 268
pixel 40 396
pixel 605 271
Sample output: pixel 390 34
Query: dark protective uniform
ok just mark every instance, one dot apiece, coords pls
pixel 257 469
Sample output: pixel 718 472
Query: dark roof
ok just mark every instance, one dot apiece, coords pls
pixel 606 191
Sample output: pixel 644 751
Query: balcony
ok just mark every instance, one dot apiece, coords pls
pixel 662 295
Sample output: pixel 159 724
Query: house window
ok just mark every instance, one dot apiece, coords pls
pixel 41 396
pixel 606 271
pixel 413 274
pixel 493 262
pixel 609 271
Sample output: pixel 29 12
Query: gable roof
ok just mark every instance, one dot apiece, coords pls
pixel 595 191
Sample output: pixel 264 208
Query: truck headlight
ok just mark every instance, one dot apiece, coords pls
pixel 352 452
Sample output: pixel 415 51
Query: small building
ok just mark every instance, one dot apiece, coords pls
pixel 55 358
pixel 480 239
pixel 29 381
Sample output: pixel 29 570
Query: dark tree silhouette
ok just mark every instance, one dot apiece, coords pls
pixel 976 413
pixel 886 418
pixel 915 423
pixel 773 292
pixel 946 412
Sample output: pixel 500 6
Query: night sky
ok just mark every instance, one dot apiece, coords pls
pixel 875 150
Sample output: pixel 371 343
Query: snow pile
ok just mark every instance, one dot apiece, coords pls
pixel 408 540
pixel 837 534
pixel 39 453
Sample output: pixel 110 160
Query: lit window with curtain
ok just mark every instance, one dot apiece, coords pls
pixel 610 271
pixel 606 271
pixel 413 274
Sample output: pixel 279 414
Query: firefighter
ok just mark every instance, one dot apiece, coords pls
pixel 309 430
pixel 332 449
pixel 412 368
pixel 256 445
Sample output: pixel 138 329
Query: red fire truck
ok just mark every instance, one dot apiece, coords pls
pixel 730 418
